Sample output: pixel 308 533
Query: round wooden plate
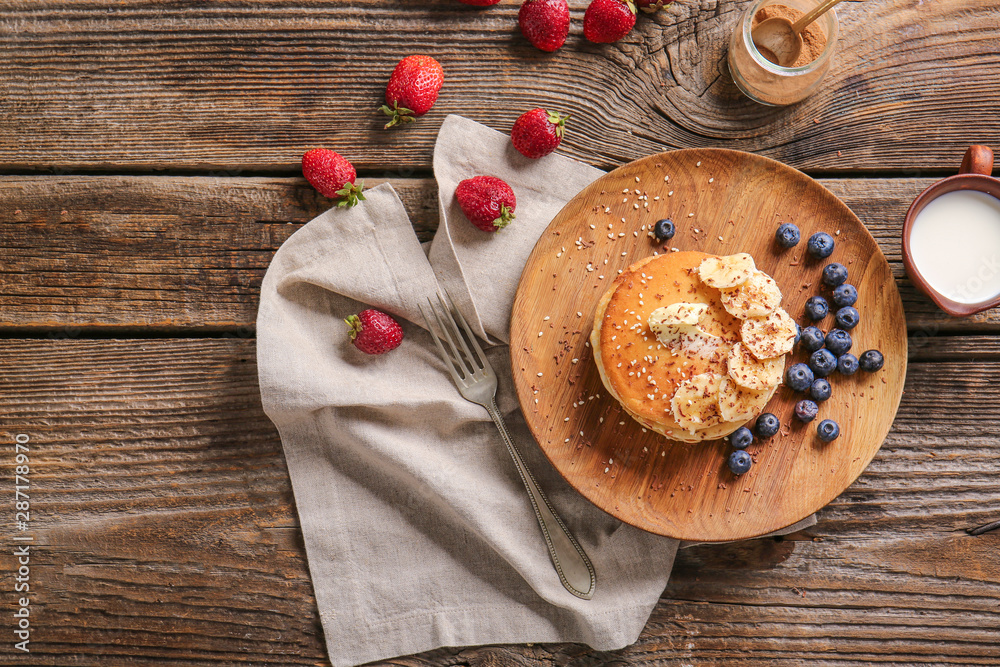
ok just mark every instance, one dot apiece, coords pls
pixel 721 202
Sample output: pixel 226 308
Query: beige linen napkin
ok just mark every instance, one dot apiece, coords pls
pixel 418 531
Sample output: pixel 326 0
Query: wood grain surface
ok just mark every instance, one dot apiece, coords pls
pixel 79 252
pixel 148 171
pixel 236 87
pixel 166 531
pixel 722 202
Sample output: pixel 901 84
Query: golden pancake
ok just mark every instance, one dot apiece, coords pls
pixel 686 346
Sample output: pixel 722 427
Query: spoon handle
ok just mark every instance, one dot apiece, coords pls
pixel 819 10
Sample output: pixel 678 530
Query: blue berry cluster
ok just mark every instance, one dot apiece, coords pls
pixel 740 460
pixel 830 352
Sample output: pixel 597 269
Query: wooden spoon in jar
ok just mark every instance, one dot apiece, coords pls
pixel 781 37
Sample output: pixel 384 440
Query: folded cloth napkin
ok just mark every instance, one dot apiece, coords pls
pixel 418 531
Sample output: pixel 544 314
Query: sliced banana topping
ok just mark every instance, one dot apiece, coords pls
pixel 676 326
pixel 738 403
pixel 695 404
pixel 751 373
pixel 757 297
pixel 770 336
pixel 677 313
pixel 728 271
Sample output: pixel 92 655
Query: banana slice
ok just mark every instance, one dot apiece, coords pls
pixel 750 373
pixel 676 325
pixel 677 313
pixel 695 404
pixel 770 336
pixel 728 271
pixel 738 403
pixel 757 297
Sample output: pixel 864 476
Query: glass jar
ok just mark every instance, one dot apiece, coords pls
pixel 766 82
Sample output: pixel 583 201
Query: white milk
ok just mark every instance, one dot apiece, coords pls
pixel 955 243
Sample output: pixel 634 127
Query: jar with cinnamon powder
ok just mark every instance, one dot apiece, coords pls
pixel 754 69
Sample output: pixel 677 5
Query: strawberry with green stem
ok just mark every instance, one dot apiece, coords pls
pixel 332 175
pixel 412 89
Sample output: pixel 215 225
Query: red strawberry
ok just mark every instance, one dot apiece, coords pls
pixel 374 332
pixel 545 23
pixel 413 88
pixel 479 3
pixel 537 132
pixel 487 201
pixel 332 175
pixel 651 6
pixel 608 20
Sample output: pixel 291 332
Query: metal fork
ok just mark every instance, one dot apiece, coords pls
pixel 478 383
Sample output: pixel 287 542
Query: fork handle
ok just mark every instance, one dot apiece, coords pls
pixel 571 562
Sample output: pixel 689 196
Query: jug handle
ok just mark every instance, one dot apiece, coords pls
pixel 978 160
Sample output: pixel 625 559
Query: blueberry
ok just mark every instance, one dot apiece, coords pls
pixel 812 339
pixel 799 377
pixel 839 342
pixel 847 364
pixel 871 361
pixel 663 230
pixel 820 390
pixel 847 317
pixel 806 410
pixel 767 425
pixel 740 462
pixel 822 363
pixel 817 307
pixel 845 295
pixel 741 438
pixel 827 430
pixel 820 245
pixel 798 335
pixel 787 235
pixel 834 274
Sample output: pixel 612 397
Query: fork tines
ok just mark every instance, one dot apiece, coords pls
pixel 461 361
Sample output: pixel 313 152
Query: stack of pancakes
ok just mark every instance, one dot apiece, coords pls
pixel 692 345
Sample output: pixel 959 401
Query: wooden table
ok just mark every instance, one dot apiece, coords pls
pixel 150 156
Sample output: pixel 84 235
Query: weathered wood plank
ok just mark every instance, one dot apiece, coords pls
pixel 163 533
pixel 128 251
pixel 237 86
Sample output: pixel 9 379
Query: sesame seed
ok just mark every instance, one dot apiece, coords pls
pixel 670 194
pixel 539 334
pixel 666 179
pixel 690 215
pixel 539 375
pixel 558 254
pixel 636 206
pixel 721 239
pixel 711 180
pixel 566 419
pixel 636 179
pixel 579 314
pixel 699 164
